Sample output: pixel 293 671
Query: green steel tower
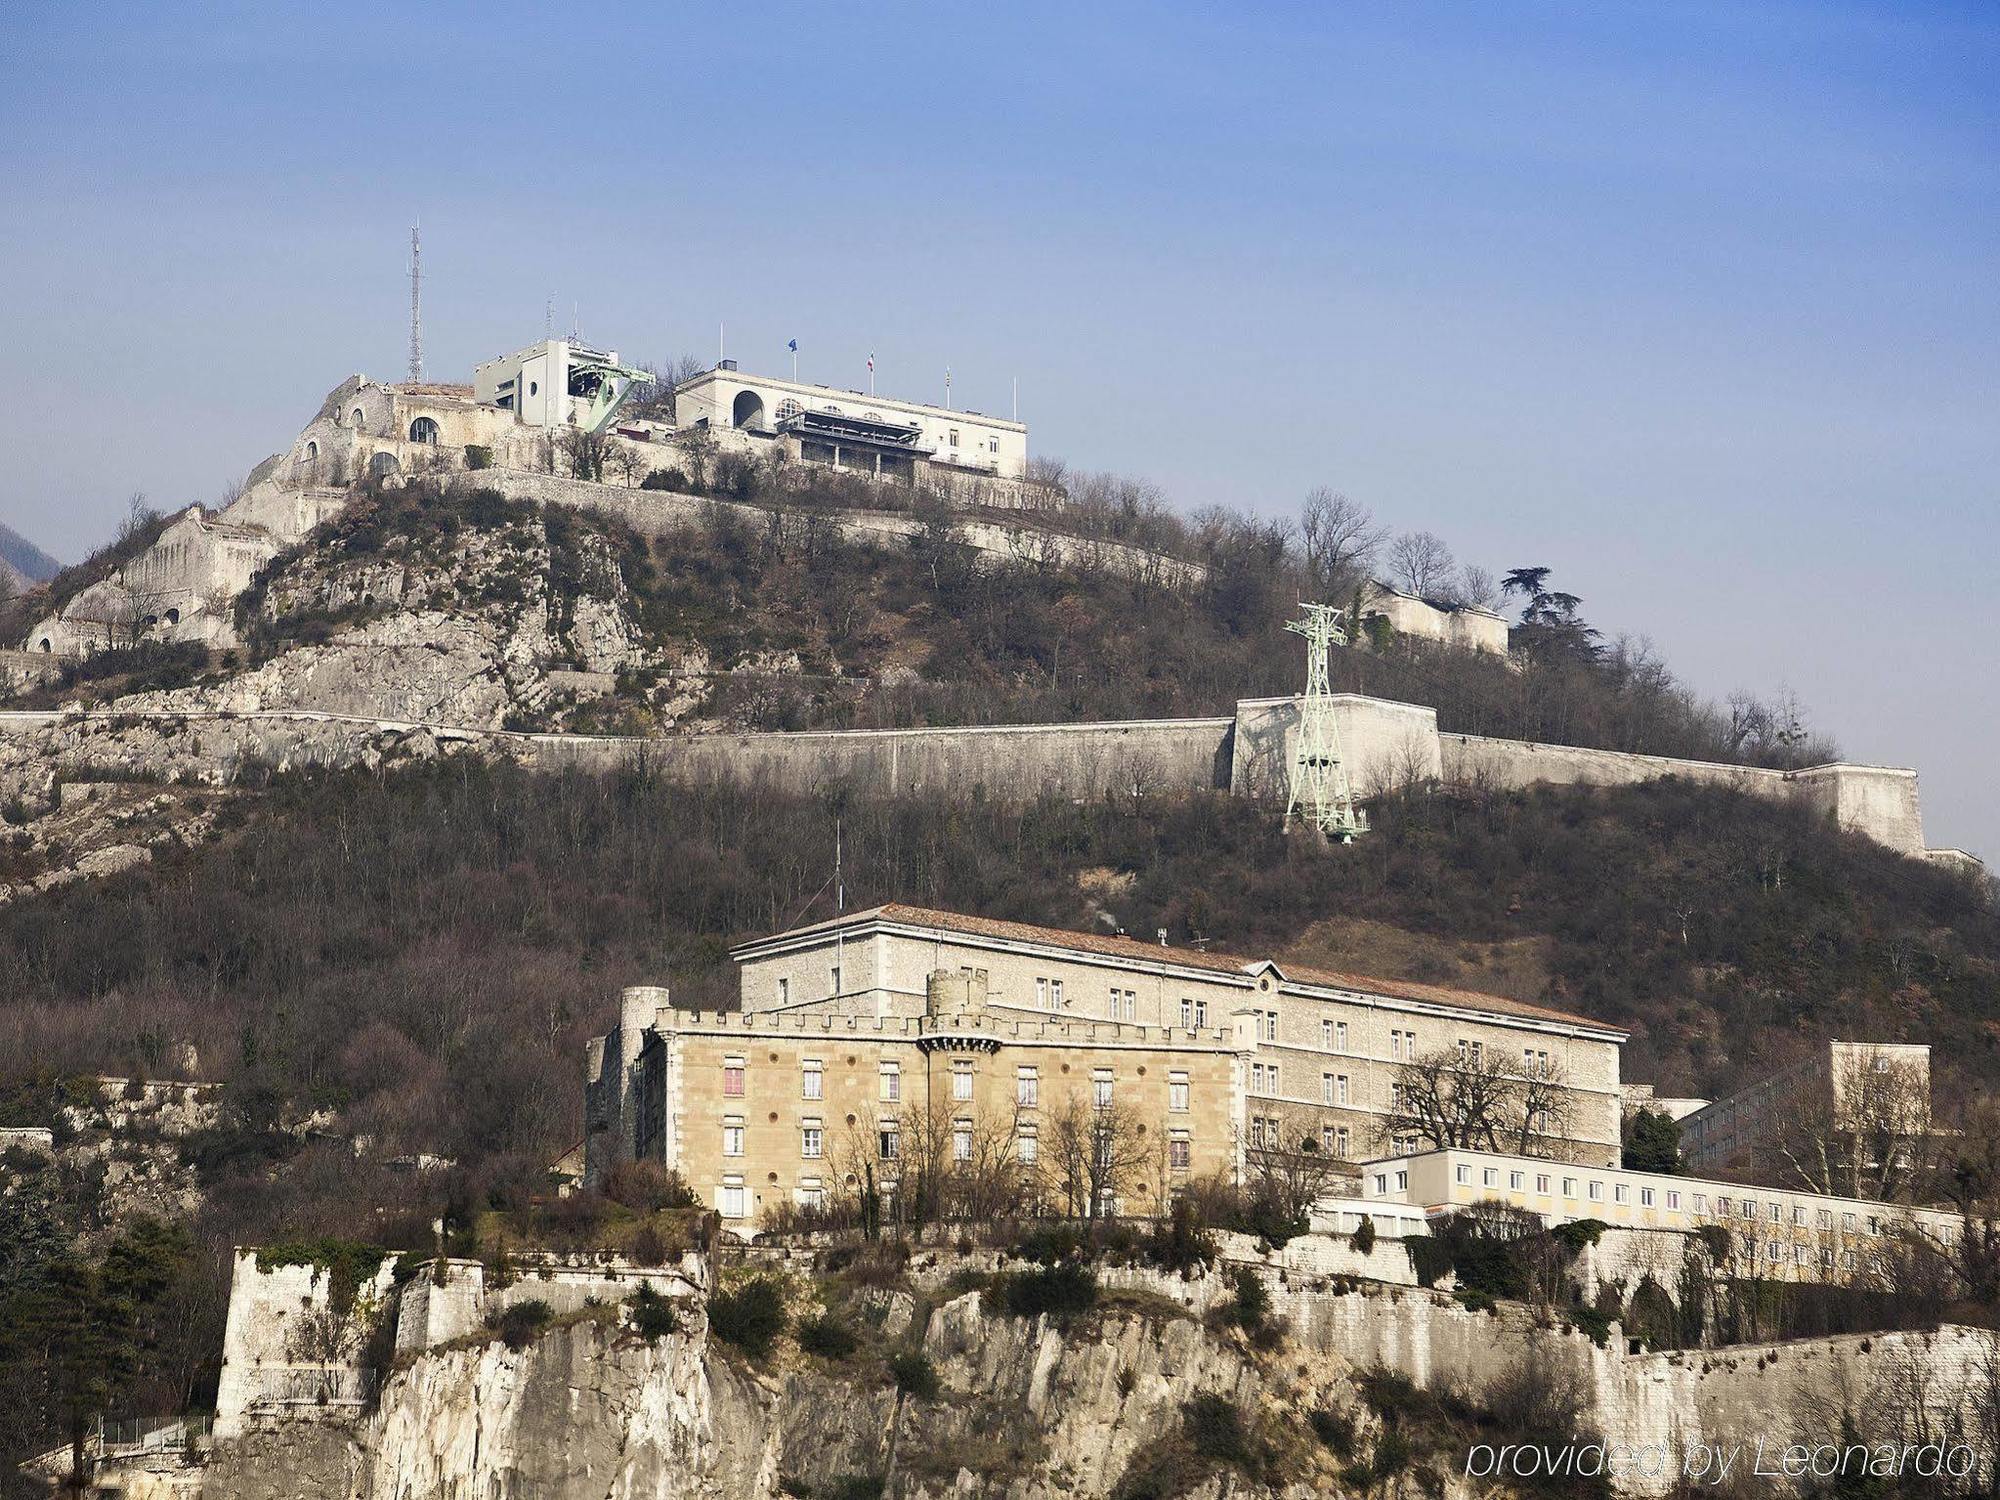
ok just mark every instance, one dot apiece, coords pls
pixel 1321 794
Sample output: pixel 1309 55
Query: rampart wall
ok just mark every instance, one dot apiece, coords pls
pixel 653 512
pixel 1386 745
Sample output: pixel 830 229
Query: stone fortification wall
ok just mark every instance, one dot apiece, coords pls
pixel 271 1367
pixel 1386 745
pixel 652 512
pixel 1004 762
pixel 451 1299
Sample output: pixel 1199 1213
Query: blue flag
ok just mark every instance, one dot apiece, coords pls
pixel 793 346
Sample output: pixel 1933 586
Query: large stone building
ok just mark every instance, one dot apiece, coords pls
pixel 855 1032
pixel 1844 1112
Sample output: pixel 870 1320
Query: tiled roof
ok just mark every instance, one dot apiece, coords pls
pixel 1135 951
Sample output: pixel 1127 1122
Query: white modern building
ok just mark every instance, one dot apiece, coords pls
pixel 852 429
pixel 556 383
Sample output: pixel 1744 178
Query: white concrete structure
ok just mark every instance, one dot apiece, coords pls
pixel 1471 627
pixel 850 428
pixel 1792 1235
pixel 556 383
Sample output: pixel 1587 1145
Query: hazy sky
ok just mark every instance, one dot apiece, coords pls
pixel 1696 304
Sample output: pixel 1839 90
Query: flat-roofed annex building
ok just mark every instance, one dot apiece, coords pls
pixel 1779 1233
pixel 845 1024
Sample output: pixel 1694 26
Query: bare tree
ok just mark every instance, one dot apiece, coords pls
pixel 1091 1156
pixel 1340 539
pixel 1453 1097
pixel 1543 1105
pixel 656 399
pixel 1422 563
pixel 1476 586
pixel 586 452
pixel 1288 1171
pixel 1864 1131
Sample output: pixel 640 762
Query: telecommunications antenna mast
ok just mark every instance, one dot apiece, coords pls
pixel 416 307
pixel 1321 794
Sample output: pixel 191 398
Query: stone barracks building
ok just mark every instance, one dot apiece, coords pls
pixel 855 1033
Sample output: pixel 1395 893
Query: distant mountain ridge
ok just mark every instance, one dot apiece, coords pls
pixel 24 558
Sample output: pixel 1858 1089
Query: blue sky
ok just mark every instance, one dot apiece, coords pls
pixel 1696 304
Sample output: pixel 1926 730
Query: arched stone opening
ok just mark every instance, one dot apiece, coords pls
pixel 382 465
pixel 423 430
pixel 748 410
pixel 46 648
pixel 312 452
pixel 173 617
pixel 360 422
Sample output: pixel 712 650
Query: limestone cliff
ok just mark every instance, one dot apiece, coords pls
pixel 1023 1410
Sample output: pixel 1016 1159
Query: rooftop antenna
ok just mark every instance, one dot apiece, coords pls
pixel 416 305
pixel 576 322
pixel 1321 794
pixel 549 318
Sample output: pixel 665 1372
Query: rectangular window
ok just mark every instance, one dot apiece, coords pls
pixel 1381 1183
pixel 1826 1218
pixel 1847 1222
pixel 1772 1250
pixel 1542 1183
pixel 812 1138
pixel 833 979
pixel 1748 1208
pixel 813 1078
pixel 1326 1035
pixel 1027 1088
pixel 732 1136
pixel 961 1140
pixel 1187 1014
pixel 1516 1181
pixel 1621 1193
pixel 1326 1139
pixel 1340 1036
pixel 1569 1187
pixel 1100 1088
pixel 1124 1005
pixel 1257 1131
pixel 1055 994
pixel 1721 1205
pixel 1340 1088
pixel 1177 1151
pixel 1402 1182
pixel 1596 1191
pixel 1645 1197
pixel 1201 1015
pixel 784 990
pixel 1465 1174
pixel 961 1081
pixel 1256 1078
pixel 1777 1213
pixel 1326 1088
pixel 1177 1093
pixel 811 1193
pixel 732 1078
pixel 1490 1177
pixel 1340 1142
pixel 731 1198
pixel 1701 1203
pixel 1028 1148
pixel 1041 994
pixel 1271 1077
pixel 888 1141
pixel 1270 1019
pixel 892 1082
pixel 1673 1198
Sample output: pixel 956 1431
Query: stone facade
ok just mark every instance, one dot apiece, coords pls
pixel 992 1027
pixel 1470 627
pixel 1849 1092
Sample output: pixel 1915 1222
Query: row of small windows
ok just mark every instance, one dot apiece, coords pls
pixel 1027 1083
pixel 1725 1206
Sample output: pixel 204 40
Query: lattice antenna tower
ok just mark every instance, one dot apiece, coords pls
pixel 416 306
pixel 1321 793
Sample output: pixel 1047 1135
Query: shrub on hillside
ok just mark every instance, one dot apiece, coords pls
pixel 1059 1291
pixel 751 1316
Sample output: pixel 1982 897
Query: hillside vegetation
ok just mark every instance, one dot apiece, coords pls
pixel 425 951
pixel 778 622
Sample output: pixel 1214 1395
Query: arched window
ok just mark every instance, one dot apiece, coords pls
pixel 423 430
pixel 871 416
pixel 312 452
pixel 360 422
pixel 832 408
pixel 46 647
pixel 384 464
pixel 787 409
